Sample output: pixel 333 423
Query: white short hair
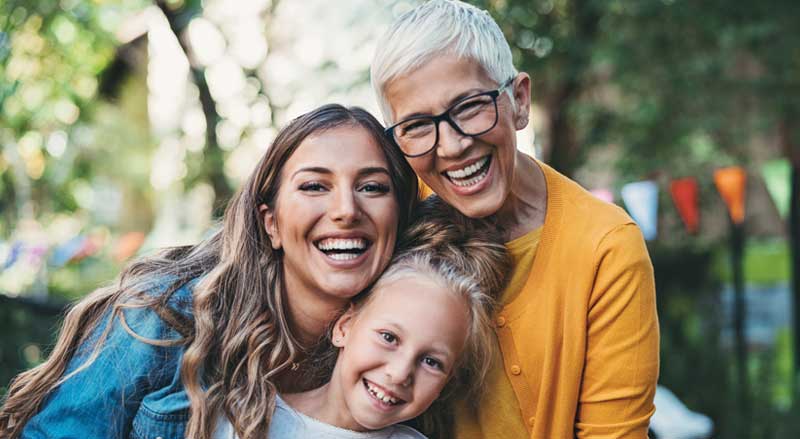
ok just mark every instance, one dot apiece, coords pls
pixel 435 28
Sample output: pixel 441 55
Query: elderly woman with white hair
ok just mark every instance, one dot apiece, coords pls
pixel 577 327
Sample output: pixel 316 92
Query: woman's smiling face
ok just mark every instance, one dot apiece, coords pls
pixel 335 216
pixel 474 174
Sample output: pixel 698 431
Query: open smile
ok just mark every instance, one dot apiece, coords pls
pixel 385 400
pixel 470 175
pixel 343 249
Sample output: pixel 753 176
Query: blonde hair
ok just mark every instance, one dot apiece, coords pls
pixel 239 338
pixel 435 28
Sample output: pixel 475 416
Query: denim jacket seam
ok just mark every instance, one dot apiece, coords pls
pixel 182 416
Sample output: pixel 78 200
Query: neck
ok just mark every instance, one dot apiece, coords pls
pixel 310 313
pixel 526 205
pixel 325 404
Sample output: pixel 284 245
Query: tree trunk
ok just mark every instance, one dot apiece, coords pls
pixel 563 142
pixel 791 150
pixel 794 246
pixel 214 158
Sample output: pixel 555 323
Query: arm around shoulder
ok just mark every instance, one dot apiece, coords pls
pixel 621 367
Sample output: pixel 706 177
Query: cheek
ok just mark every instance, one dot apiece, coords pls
pixel 423 164
pixel 300 213
pixel 429 388
pixel 386 217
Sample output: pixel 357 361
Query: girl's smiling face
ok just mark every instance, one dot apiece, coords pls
pixel 397 352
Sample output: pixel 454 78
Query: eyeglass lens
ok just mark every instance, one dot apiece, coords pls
pixel 472 116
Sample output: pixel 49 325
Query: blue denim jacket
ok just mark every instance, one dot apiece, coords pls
pixel 131 390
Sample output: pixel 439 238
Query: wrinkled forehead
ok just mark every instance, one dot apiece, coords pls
pixel 434 86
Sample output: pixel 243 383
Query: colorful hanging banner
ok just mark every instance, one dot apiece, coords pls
pixel 731 183
pixel 684 195
pixel 641 199
pixel 603 194
pixel 777 176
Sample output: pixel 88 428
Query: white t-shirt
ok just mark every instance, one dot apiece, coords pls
pixel 288 423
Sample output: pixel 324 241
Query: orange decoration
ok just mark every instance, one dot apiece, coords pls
pixel 731 184
pixel 127 245
pixel 684 194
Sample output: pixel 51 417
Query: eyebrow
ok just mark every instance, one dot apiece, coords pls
pixel 361 172
pixel 450 103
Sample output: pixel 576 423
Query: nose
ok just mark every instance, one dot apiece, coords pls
pixel 345 208
pixel 451 143
pixel 400 371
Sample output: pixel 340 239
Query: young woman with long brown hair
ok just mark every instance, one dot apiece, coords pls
pixel 219 327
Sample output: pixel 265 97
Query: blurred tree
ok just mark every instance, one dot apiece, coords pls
pixel 560 42
pixel 51 56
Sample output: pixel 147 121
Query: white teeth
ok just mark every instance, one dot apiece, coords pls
pixel 469 170
pixel 342 244
pixel 471 181
pixel 343 256
pixel 386 399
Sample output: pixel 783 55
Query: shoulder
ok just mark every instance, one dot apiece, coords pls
pixel 578 218
pixel 580 205
pixel 161 310
pixel 177 294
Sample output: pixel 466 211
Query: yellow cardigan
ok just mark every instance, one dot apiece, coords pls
pixel 580 341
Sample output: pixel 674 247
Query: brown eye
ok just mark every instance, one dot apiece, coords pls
pixel 388 337
pixel 312 187
pixel 375 188
pixel 433 362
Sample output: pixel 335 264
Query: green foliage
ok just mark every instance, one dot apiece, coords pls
pixel 52 56
pixel 765 262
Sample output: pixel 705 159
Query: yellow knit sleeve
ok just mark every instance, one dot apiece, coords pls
pixel 621 368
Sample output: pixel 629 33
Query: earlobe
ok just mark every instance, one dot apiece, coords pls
pixel 522 99
pixel 342 327
pixel 270 226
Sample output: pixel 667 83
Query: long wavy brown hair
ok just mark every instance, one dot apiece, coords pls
pixel 238 339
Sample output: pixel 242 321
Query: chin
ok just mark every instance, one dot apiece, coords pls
pixel 481 209
pixel 345 290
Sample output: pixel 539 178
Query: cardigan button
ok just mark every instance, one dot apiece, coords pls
pixel 516 370
pixel 531 421
pixel 501 321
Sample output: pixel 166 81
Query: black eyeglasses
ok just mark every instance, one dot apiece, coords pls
pixel 471 116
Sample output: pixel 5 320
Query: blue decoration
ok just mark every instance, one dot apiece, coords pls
pixel 641 199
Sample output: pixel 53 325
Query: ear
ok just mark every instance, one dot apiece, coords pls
pixel 270 225
pixel 342 327
pixel 522 100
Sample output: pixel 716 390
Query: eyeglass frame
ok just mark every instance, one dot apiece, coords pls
pixel 445 116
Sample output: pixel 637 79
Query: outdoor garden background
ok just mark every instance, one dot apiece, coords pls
pixel 126 125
